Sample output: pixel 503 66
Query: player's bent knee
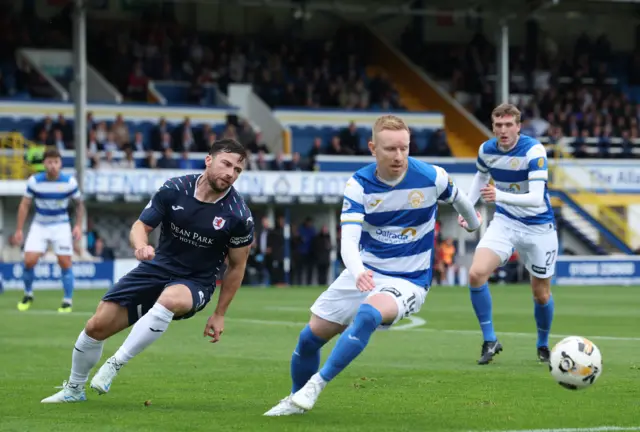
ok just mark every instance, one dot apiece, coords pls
pixel 324 329
pixel 109 319
pixel 478 276
pixel 64 261
pixel 177 299
pixel 31 259
pixel 385 304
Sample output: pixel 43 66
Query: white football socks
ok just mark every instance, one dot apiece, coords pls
pixel 146 331
pixel 86 353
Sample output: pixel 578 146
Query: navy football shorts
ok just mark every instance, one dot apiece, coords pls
pixel 139 290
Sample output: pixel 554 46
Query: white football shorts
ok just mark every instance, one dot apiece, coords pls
pixel 59 235
pixel 539 250
pixel 340 302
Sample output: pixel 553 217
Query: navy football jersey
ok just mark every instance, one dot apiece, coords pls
pixel 195 236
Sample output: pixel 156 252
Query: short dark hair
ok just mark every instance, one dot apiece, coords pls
pixel 228 145
pixel 51 152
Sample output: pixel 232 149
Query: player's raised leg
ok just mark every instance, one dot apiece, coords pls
pixel 109 319
pixel 305 360
pixel 377 309
pixel 485 261
pixel 175 300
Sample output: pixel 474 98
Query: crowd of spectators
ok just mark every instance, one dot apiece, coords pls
pixel 174 142
pixel 285 70
pixel 105 139
pixel 575 97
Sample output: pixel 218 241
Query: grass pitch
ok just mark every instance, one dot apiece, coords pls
pixel 421 376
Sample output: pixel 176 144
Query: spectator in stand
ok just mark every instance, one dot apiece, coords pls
pixel 93 145
pixel 137 85
pixel 128 162
pixel 108 163
pixel 261 162
pixel 336 147
pixel 58 141
pixel 139 143
pixel 315 151
pixel 350 139
pixel 164 143
pixel 167 161
pixel 120 132
pixel 157 134
pixel 110 143
pixel 46 126
pixel 278 164
pixel 101 132
pixel 307 233
pixel 65 128
pixel 322 254
pixel 295 164
pixel 438 145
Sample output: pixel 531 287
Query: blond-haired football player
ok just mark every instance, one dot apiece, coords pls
pixel 388 218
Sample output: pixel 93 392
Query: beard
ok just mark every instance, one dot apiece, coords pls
pixel 213 184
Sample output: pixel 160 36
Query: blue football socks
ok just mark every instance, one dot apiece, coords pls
pixel 27 278
pixel 483 307
pixel 352 341
pixel 305 360
pixel 544 317
pixel 67 284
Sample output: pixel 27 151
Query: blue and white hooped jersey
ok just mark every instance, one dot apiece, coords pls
pixel 51 197
pixel 398 221
pixel 512 172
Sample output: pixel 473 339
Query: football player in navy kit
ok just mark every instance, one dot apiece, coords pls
pixel 203 221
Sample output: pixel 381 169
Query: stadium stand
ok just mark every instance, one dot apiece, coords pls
pixel 586 99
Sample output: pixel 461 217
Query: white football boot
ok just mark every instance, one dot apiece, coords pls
pixel 284 408
pixel 69 393
pixel 101 382
pixel 307 396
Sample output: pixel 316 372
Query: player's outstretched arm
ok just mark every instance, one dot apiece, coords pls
pixel 467 211
pixel 449 193
pixel 231 281
pixel 480 180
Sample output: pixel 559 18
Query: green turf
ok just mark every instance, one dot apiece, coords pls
pixel 417 380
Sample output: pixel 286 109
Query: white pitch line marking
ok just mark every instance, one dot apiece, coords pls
pixel 410 327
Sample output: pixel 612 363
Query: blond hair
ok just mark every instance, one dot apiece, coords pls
pixel 506 109
pixel 388 122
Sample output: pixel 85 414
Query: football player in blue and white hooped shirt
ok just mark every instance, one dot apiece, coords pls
pixel 523 221
pixel 50 191
pixel 388 219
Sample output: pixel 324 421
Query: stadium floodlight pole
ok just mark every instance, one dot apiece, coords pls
pixel 80 93
pixel 80 99
pixel 502 75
